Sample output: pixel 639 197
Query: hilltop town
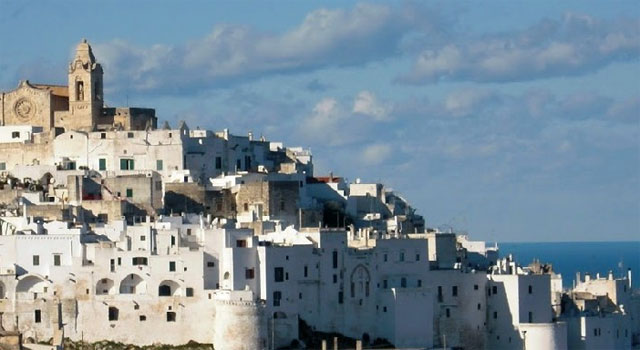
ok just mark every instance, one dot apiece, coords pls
pixel 115 228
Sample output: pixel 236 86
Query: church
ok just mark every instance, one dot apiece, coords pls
pixel 77 106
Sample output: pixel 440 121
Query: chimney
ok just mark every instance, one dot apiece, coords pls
pixel 578 280
pixel 587 277
pixel 610 276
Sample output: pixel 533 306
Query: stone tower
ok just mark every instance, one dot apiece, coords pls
pixel 85 90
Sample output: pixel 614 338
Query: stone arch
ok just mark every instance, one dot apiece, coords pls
pixel 105 286
pixel 133 284
pixel 168 288
pixel 30 286
pixel 360 282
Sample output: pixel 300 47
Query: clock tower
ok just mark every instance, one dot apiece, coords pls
pixel 85 90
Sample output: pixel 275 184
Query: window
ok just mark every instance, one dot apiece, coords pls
pixel 401 256
pixel 15 135
pixel 37 316
pixel 247 163
pixel 479 306
pixel 130 135
pixel 530 317
pixel 189 291
pixel 139 260
pixel 385 284
pixel 530 289
pixel 419 283
pixel 249 273
pixel 3 166
pixel 276 298
pixel 454 291
pixel 103 135
pixel 282 204
pixel 173 241
pixel 143 238
pixel 238 164
pixel 56 259
pixel 335 278
pixel 475 287
pixel 494 289
pixel 448 312
pixel 278 274
pixel 340 297
pixel 36 260
pixel 241 243
pixel 113 313
pixel 384 257
pixel 172 266
pixel 79 91
pixel 102 164
pixel 71 166
pixel 439 294
pixel 495 315
pixel 171 316
pixel 159 164
pixel 306 271
pixel 126 164
pixel 335 259
pixel 417 257
pixel 211 264
pixel 246 207
pixel 218 162
pixel 143 318
pixel 129 192
pixel 403 282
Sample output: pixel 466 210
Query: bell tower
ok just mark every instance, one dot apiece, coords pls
pixel 85 90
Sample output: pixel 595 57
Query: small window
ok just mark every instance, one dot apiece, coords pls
pixel 218 162
pixel 479 306
pixel 136 306
pixel 335 259
pixel 143 318
pixel 384 257
pixel 403 282
pixel 241 243
pixel 530 289
pixel 475 287
pixel 129 192
pixel 454 291
pixel 494 289
pixel 385 284
pixel 249 273
pixel 37 316
pixel 340 297
pixel 211 264
pixel 3 166
pixel 126 164
pixel 139 260
pixel 159 164
pixel 56 259
pixel 530 317
pixel 495 315
pixel 278 274
pixel 172 266
pixel 246 207
pixel 335 278
pixel 276 298
pixel 130 135
pixel 419 283
pixel 103 135
pixel 143 238
pixel 417 257
pixel 102 164
pixel 448 312
pixel 189 292
pixel 171 316
pixel 113 313
pixel 401 256
pixel 36 260
pixel 15 135
pixel 306 271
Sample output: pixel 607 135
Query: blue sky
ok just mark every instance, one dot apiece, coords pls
pixel 513 121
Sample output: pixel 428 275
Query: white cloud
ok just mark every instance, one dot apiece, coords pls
pixel 376 153
pixel 231 53
pixel 366 103
pixel 570 46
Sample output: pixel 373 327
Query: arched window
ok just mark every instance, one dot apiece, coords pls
pixel 360 281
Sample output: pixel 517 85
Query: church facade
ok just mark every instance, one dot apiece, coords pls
pixel 77 106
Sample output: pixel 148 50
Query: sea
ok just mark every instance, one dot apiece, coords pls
pixel 568 258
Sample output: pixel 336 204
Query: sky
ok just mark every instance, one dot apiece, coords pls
pixel 512 121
